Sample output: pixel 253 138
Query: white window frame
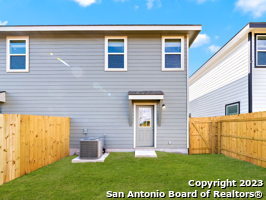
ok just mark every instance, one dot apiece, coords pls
pixel 107 38
pixel 257 50
pixel 8 55
pixel 168 53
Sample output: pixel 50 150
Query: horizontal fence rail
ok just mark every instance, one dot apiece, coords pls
pixel 239 136
pixel 29 142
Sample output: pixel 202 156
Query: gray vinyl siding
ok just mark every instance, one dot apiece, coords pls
pixel 93 98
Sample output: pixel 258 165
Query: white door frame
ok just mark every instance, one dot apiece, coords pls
pixel 154 122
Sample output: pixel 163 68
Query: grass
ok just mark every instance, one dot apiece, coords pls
pixel 123 172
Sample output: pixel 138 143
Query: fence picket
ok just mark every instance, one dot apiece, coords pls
pixel 29 142
pixel 240 136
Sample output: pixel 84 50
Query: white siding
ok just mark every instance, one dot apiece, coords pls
pixel 226 82
pixel 259 82
pixel 259 89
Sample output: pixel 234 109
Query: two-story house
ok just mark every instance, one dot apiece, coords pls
pixel 233 81
pixel 126 82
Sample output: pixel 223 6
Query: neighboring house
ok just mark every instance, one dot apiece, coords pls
pixel 112 80
pixel 233 81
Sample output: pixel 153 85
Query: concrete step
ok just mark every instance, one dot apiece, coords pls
pixel 145 153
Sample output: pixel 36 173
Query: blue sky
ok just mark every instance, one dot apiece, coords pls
pixel 221 19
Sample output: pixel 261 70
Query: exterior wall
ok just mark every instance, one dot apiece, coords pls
pixel 226 82
pixel 259 90
pixel 259 83
pixel 94 99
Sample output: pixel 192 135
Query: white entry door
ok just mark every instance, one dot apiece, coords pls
pixel 144 122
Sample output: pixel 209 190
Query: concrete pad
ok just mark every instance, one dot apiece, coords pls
pixel 145 154
pixel 101 159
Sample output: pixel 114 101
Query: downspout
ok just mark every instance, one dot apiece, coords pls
pixel 250 104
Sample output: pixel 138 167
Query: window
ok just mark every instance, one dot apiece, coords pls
pixel 172 53
pixel 261 51
pixel 145 117
pixel 17 52
pixel 232 108
pixel 115 54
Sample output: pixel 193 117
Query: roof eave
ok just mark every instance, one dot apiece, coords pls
pixel 219 53
pixel 246 29
pixel 192 29
pixel 193 37
pixel 102 28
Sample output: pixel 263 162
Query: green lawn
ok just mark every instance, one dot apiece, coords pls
pixel 123 172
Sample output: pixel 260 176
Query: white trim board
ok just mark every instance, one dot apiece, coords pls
pixel 120 150
pixel 109 150
pixel 145 97
pixel 182 151
pixel 103 28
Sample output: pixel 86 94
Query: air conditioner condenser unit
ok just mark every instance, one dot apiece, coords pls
pixel 91 148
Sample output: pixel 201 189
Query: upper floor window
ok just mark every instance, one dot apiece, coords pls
pixel 232 108
pixel 172 53
pixel 116 54
pixel 261 51
pixel 17 52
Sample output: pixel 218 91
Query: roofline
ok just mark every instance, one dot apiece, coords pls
pixel 257 24
pixel 192 29
pixel 247 28
pixel 120 27
pixel 108 25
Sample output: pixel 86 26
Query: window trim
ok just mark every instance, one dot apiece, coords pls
pixel 107 38
pixel 237 103
pixel 164 53
pixel 256 51
pixel 8 55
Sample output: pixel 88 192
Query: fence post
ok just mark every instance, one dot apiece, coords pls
pixel 213 134
pixel 2 150
pixel 219 137
pixel 189 134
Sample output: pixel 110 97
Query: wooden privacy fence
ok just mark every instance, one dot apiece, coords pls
pixel 29 142
pixel 239 136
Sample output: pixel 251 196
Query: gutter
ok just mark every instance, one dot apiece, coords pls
pixel 180 27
